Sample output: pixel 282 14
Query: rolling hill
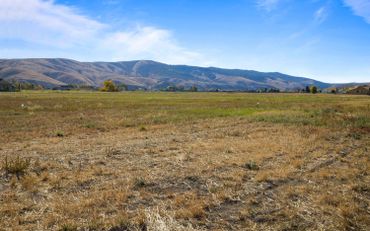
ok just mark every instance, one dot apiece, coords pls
pixel 145 74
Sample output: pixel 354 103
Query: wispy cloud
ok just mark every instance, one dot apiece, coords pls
pixel 43 23
pixel 149 42
pixel 321 14
pixel 360 8
pixel 268 5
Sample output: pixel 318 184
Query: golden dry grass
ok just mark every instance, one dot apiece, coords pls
pixel 300 165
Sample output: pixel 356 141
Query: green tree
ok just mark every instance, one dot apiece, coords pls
pixel 7 86
pixel 313 89
pixel 109 86
pixel 122 87
pixel 308 90
pixel 193 88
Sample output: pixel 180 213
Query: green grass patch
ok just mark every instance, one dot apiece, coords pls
pixel 39 112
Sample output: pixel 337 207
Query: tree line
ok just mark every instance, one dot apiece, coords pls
pixel 13 86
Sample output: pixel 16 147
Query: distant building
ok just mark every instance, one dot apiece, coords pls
pixel 360 90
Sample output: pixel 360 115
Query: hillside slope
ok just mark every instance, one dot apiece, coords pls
pixel 145 74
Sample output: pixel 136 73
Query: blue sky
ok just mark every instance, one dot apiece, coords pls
pixel 327 40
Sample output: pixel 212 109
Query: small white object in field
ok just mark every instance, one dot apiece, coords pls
pixel 22 105
pixel 258 103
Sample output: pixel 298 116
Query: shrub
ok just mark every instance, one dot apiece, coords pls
pixel 142 128
pixel 251 165
pixel 139 183
pixel 17 166
pixel 59 133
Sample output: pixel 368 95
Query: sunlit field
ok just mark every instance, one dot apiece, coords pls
pixel 184 161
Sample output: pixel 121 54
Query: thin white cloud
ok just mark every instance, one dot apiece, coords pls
pixel 150 43
pixel 321 14
pixel 360 8
pixel 268 5
pixel 43 23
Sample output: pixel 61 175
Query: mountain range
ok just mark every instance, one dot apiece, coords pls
pixel 146 74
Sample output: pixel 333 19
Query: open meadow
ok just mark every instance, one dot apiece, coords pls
pixel 184 161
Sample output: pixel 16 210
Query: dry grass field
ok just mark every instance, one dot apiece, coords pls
pixel 184 161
